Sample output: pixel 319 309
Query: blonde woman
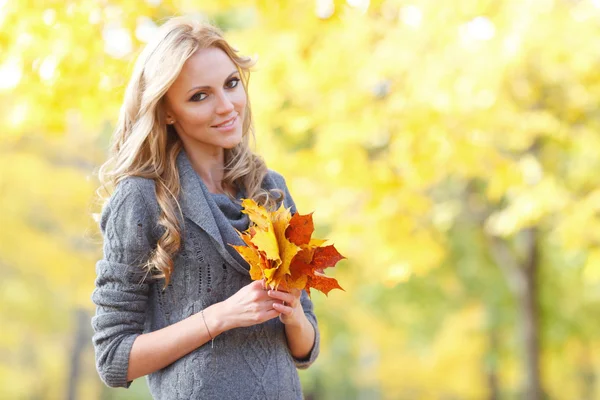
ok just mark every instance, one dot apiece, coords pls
pixel 174 302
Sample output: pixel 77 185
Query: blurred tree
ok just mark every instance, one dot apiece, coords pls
pixel 448 149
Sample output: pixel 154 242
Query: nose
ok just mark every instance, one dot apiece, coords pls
pixel 224 104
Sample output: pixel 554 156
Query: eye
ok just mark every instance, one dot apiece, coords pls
pixel 198 96
pixel 233 82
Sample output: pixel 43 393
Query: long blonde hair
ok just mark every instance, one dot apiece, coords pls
pixel 144 145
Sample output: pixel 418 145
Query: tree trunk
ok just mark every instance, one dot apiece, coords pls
pixel 80 340
pixel 492 364
pixel 522 279
pixel 529 318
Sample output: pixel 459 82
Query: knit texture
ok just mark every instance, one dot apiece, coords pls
pixel 229 217
pixel 245 363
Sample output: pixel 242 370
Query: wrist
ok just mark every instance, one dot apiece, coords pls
pixel 214 319
pixel 298 323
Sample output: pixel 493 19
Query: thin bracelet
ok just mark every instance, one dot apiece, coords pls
pixel 212 343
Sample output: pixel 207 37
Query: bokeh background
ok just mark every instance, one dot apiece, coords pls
pixel 449 149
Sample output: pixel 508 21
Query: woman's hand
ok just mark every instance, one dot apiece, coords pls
pixel 249 306
pixel 288 305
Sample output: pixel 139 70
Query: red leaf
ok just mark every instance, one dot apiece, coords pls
pixel 325 257
pixel 300 229
pixel 279 248
pixel 323 283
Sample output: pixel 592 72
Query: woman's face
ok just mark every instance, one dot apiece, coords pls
pixel 207 102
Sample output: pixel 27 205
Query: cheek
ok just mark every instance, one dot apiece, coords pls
pixel 239 99
pixel 198 115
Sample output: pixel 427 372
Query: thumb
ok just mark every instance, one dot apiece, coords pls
pixel 259 283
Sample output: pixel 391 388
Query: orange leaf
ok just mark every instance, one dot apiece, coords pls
pixel 324 283
pixel 326 256
pixel 300 229
pixel 252 257
pixel 280 249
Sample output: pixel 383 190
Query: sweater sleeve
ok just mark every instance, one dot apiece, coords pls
pixel 121 291
pixel 310 315
pixel 307 304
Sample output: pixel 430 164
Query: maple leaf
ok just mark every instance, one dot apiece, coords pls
pixel 250 254
pixel 300 229
pixel 258 215
pixel 280 249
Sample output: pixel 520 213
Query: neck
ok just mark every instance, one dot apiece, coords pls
pixel 210 166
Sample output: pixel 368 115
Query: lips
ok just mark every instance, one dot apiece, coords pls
pixel 225 123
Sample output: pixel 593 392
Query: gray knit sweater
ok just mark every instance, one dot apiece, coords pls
pixel 245 363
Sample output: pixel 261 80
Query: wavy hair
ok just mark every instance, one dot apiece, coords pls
pixel 144 145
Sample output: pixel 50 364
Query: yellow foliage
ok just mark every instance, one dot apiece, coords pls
pixel 396 122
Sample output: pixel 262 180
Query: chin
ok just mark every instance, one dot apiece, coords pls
pixel 230 144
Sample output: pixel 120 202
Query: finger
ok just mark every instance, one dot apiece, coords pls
pixel 259 283
pixel 287 297
pixel 268 303
pixel 272 313
pixel 285 310
pixel 293 291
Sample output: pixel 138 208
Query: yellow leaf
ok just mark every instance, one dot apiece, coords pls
pixel 266 241
pixel 258 215
pixel 287 249
pixel 251 256
pixel 316 242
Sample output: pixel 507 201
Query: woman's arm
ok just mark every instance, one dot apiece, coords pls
pixel 155 350
pixel 301 327
pixel 121 292
pixel 304 339
pixel 123 352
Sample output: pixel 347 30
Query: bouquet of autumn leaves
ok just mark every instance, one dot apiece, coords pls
pixel 280 250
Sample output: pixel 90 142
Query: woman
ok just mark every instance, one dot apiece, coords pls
pixel 174 301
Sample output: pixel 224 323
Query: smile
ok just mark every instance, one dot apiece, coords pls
pixel 227 123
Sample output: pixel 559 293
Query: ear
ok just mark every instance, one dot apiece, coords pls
pixel 168 114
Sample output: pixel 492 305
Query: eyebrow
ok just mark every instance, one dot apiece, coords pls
pixel 208 87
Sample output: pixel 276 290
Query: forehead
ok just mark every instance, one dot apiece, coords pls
pixel 206 67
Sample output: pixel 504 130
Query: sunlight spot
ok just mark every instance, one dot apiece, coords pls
pixel 479 28
pixel 18 114
pixel 2 11
pixel 25 39
pixel 398 273
pixel 95 17
pixel 531 169
pixel 48 67
pixel 145 29
pixel 501 223
pixel 104 83
pixel 361 5
pixel 71 9
pixel 411 16
pixel 444 214
pixel 49 16
pixel 512 44
pixel 10 74
pixel 117 41
pixel 324 8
